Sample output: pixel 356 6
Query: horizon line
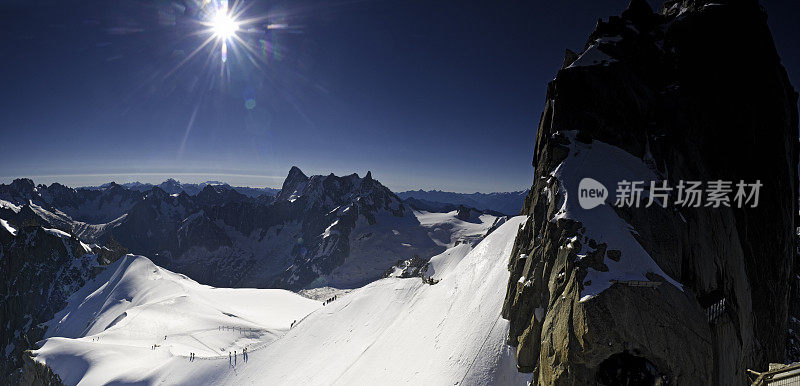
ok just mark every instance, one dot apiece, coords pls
pixel 209 175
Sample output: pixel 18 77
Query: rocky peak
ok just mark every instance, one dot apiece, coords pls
pixel 171 186
pixel 23 185
pixel 331 190
pixel 114 187
pixel 671 97
pixel 367 183
pixel 56 187
pixel 295 174
pixel 640 14
pixel 294 183
pixel 463 213
pixel 218 195
pixel 57 192
pixel 156 193
pixel 39 269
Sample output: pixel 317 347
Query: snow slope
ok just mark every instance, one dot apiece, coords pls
pixel 446 261
pixel 376 247
pixel 106 332
pixel 609 165
pixel 392 331
pixel 447 230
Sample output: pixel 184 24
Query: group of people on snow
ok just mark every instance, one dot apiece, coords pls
pixel 233 356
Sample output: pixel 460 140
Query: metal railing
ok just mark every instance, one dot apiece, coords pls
pixel 784 376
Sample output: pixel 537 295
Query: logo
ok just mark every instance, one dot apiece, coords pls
pixel 687 194
pixel 591 193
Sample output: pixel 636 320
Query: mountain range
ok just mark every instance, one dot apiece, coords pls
pixel 423 289
pixel 138 323
pixel 509 203
pixel 172 186
pixel 317 231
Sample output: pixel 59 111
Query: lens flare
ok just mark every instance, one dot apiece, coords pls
pixel 224 25
pixel 228 31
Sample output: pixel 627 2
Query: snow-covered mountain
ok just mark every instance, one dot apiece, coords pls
pixel 389 332
pixel 318 231
pixel 78 205
pixel 341 232
pixel 39 269
pixel 508 203
pixel 172 186
pixel 354 228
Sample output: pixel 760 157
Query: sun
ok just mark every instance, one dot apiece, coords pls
pixel 224 25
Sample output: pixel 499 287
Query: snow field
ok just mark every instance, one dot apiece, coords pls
pixel 391 331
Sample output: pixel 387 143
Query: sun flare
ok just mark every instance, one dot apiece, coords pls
pixel 224 25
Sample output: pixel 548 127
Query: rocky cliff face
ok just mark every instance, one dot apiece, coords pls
pixel 85 205
pixel 686 295
pixel 39 269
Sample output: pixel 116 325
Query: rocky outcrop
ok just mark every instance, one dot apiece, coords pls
pixel 675 294
pixel 85 205
pixel 37 374
pixel 413 267
pixel 39 269
pixel 331 210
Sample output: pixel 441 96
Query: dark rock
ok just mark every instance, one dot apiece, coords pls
pixel 37 374
pixel 38 272
pixel 680 95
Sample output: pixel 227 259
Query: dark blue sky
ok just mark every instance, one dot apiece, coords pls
pixel 426 94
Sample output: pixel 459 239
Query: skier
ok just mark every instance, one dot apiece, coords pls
pixel 234 357
pixel 229 358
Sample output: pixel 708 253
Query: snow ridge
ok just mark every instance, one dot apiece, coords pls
pixel 392 331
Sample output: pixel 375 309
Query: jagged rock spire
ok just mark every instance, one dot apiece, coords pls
pixel 637 9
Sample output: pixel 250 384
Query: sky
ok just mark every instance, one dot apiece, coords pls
pixel 425 94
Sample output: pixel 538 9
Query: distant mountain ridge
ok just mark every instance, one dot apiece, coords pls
pixel 317 231
pixel 509 203
pixel 173 186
